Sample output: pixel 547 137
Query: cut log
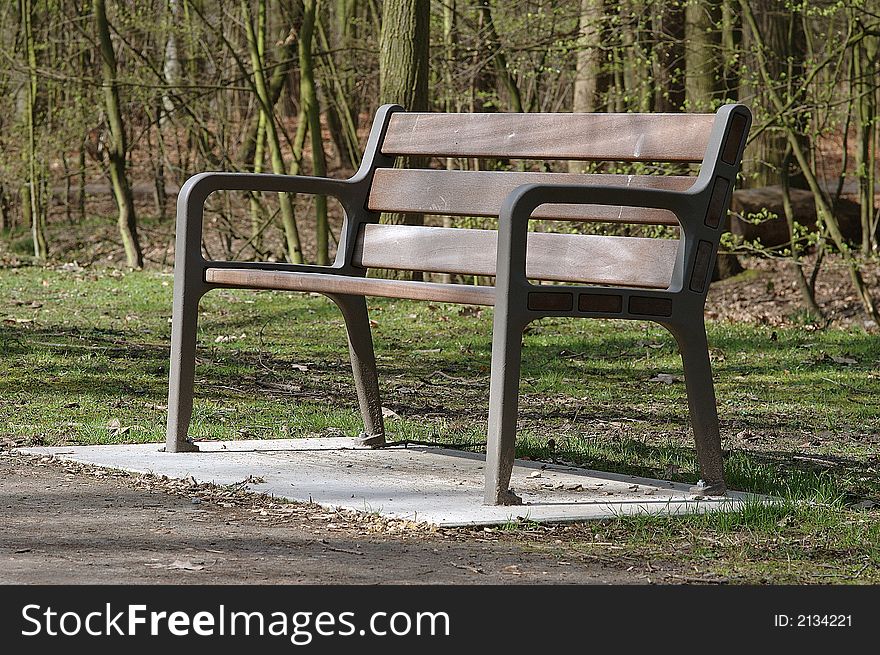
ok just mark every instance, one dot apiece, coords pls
pixel 774 232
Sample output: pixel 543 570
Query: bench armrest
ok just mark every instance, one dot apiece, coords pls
pixel 518 206
pixel 192 196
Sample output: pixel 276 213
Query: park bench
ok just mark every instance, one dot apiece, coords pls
pixel 584 276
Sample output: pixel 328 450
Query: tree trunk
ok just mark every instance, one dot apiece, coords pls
pixel 782 42
pixel 255 37
pixel 807 289
pixel 588 68
pixel 117 149
pixel 309 100
pixel 703 70
pixel 403 71
pixel 637 78
pixel 277 82
pixel 36 172
pixel 483 94
pixel 865 80
pixel 588 65
pixel 668 56
pixel 731 39
pixel 342 106
pixel 499 58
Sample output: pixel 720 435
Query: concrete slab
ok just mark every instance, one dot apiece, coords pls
pixel 435 485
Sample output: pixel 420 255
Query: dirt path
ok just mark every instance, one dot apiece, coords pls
pixel 65 523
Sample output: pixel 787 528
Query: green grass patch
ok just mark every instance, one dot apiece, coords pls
pixel 85 356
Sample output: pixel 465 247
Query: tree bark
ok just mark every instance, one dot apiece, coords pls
pixel 865 80
pixel 780 39
pixel 703 70
pixel 499 58
pixel 588 65
pixel 118 149
pixel 731 40
pixel 309 101
pixel 36 210
pixel 403 70
pixel 668 56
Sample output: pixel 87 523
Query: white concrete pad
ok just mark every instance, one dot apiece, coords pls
pixel 439 486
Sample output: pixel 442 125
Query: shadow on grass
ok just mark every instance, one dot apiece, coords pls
pixel 119 363
pixel 777 473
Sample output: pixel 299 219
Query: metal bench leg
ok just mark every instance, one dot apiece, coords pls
pixel 694 349
pixel 184 323
pixel 363 366
pixel 503 401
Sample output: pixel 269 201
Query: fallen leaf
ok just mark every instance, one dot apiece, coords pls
pixel 843 360
pixel 115 427
pixel 665 378
pixel 389 413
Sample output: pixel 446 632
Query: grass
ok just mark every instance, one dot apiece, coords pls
pixel 85 356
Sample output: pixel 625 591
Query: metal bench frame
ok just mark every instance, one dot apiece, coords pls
pixel 699 209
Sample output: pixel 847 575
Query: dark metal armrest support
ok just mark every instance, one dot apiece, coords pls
pixel 194 193
pixel 521 203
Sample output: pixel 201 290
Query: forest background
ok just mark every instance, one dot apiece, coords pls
pixel 107 108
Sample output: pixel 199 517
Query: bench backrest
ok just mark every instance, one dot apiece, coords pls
pixel 682 138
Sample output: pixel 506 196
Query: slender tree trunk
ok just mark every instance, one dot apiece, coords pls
pixel 309 99
pixel 342 108
pixel 483 94
pixel 805 286
pixel 731 39
pixel 668 56
pixel 280 74
pixel 502 70
pixel 117 150
pixel 35 205
pixel 865 80
pixel 171 66
pixel 254 38
pixel 588 69
pixel 256 206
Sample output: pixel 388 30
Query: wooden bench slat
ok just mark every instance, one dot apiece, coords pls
pixel 341 284
pixel 596 137
pixel 623 261
pixel 481 193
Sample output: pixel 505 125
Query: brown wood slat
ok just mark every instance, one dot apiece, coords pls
pixel 625 261
pixel 326 283
pixel 481 193
pixel 618 137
